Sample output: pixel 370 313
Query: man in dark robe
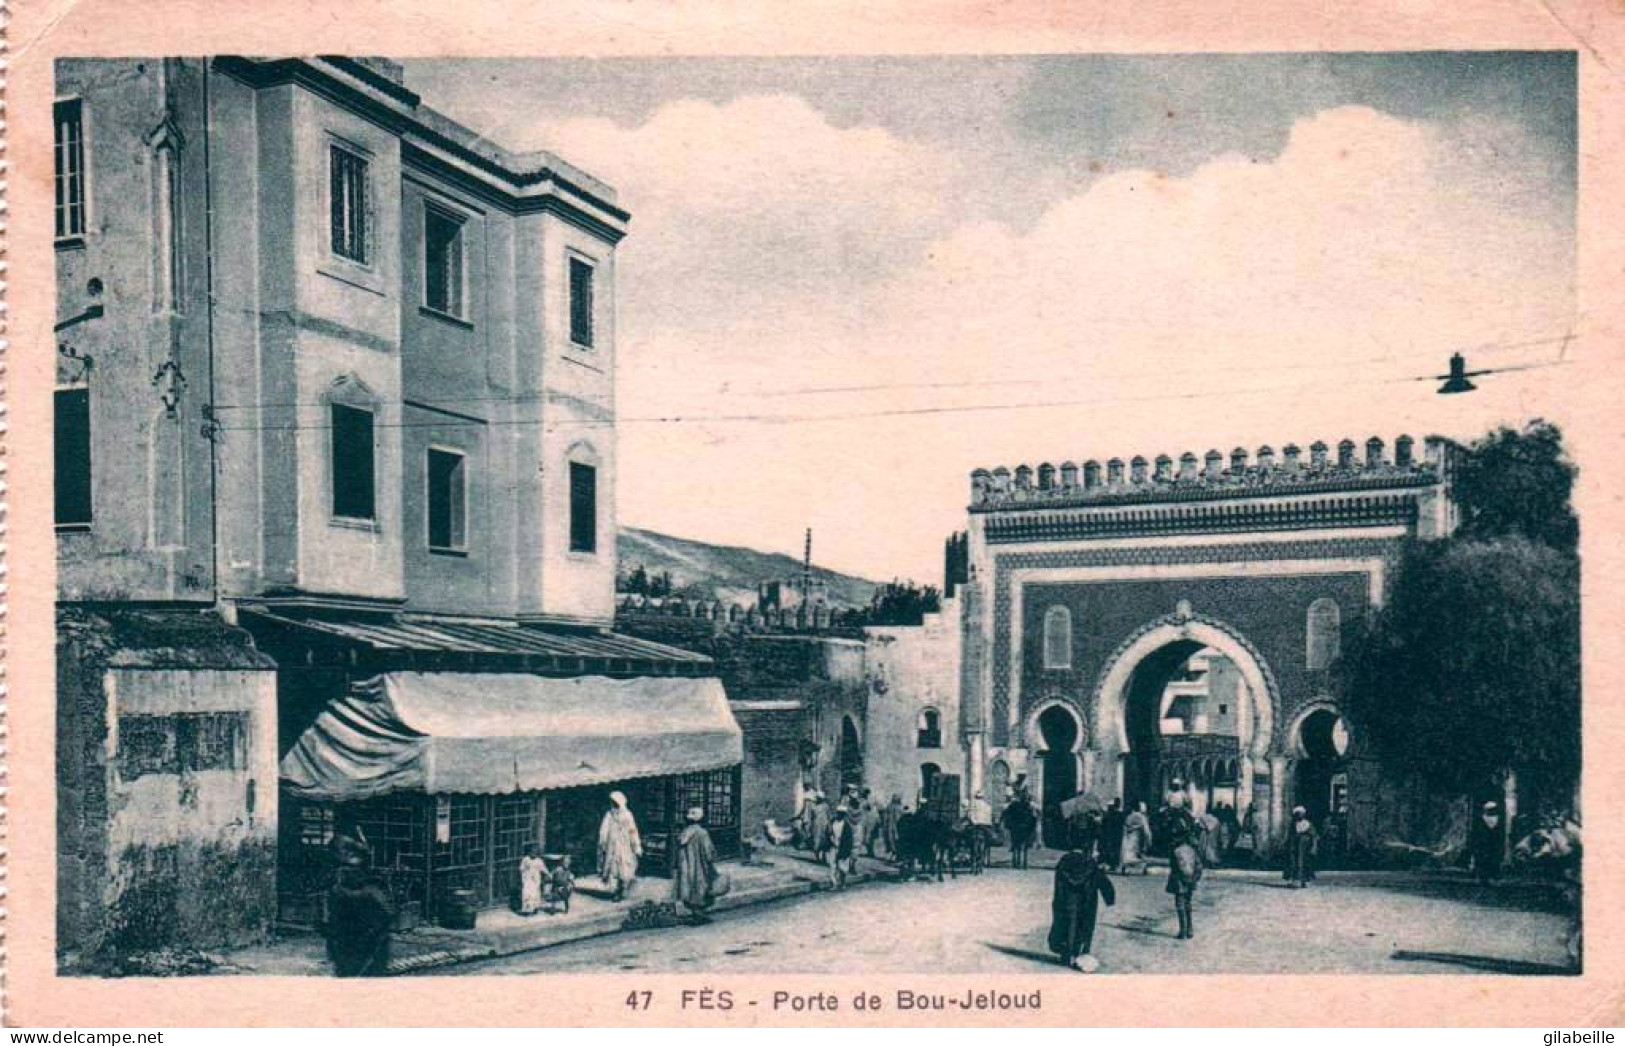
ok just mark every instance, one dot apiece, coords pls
pixel 1302 843
pixel 360 914
pixel 1111 835
pixel 694 881
pixel 1487 843
pixel 1079 885
pixel 908 842
pixel 843 845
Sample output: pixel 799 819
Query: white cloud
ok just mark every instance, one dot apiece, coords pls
pixel 773 251
pixel 746 210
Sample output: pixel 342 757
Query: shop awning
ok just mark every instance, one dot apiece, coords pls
pixel 488 733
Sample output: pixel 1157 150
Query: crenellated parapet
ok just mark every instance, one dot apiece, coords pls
pixel 1214 475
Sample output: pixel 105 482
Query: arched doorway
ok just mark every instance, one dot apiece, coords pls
pixel 1150 769
pixel 1320 776
pixel 929 772
pixel 1059 734
pixel 1187 700
pixel 850 757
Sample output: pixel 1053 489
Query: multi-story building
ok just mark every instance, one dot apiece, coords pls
pixel 335 441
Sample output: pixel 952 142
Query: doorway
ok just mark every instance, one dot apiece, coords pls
pixel 1320 779
pixel 1058 728
pixel 850 756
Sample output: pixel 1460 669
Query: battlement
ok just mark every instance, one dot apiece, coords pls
pixel 1213 476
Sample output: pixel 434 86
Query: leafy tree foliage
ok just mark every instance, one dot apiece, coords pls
pixel 1472 668
pixel 638 581
pixel 902 603
pixel 1518 482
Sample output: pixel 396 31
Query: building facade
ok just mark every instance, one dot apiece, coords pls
pixel 336 375
pixel 1107 606
pixel 914 709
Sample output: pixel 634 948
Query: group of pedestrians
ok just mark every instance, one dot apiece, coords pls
pixel 696 881
pixel 837 833
pixel 1129 836
pixel 1082 880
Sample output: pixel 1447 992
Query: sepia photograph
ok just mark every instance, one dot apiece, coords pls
pixel 905 515
pixel 806 515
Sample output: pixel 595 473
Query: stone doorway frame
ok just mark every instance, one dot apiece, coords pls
pixel 1109 744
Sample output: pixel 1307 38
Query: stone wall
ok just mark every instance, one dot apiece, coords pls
pixel 167 771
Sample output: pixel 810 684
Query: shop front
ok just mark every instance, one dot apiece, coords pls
pixel 450 776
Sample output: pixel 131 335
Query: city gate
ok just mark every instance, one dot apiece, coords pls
pixel 1141 628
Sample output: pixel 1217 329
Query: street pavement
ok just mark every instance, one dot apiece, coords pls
pixel 1246 922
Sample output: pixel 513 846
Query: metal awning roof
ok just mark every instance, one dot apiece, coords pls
pixel 415 633
pixel 496 733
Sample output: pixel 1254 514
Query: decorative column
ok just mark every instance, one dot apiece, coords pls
pixel 1244 783
pixel 1277 796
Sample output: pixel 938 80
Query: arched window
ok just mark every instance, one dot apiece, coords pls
pixel 1324 630
pixel 1057 638
pixel 930 729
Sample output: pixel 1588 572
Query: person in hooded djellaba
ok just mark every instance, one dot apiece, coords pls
pixel 1302 842
pixel 1080 884
pixel 360 913
pixel 619 847
pixel 1136 841
pixel 695 878
pixel 818 826
pixel 1487 842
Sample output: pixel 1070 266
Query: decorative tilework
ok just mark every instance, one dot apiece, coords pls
pixel 1261 552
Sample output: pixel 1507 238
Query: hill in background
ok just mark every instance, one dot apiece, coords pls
pixel 725 572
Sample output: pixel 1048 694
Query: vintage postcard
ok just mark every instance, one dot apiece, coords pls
pixel 813 514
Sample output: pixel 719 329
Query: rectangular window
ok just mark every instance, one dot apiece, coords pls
pixel 73 457
pixel 581 302
pixel 187 742
pixel 70 169
pixel 448 502
pixel 349 204
pixel 352 463
pixel 583 508
pixel 443 261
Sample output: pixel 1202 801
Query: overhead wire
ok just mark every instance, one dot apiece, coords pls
pixel 861 415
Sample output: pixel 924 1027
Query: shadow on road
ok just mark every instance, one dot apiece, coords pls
pixel 1022 953
pixel 1485 962
pixel 1520 896
pixel 1145 924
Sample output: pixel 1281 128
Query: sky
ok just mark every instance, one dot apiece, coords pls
pixel 854 280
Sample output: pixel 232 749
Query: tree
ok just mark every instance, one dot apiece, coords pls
pixel 1472 669
pixel 1518 482
pixel 903 603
